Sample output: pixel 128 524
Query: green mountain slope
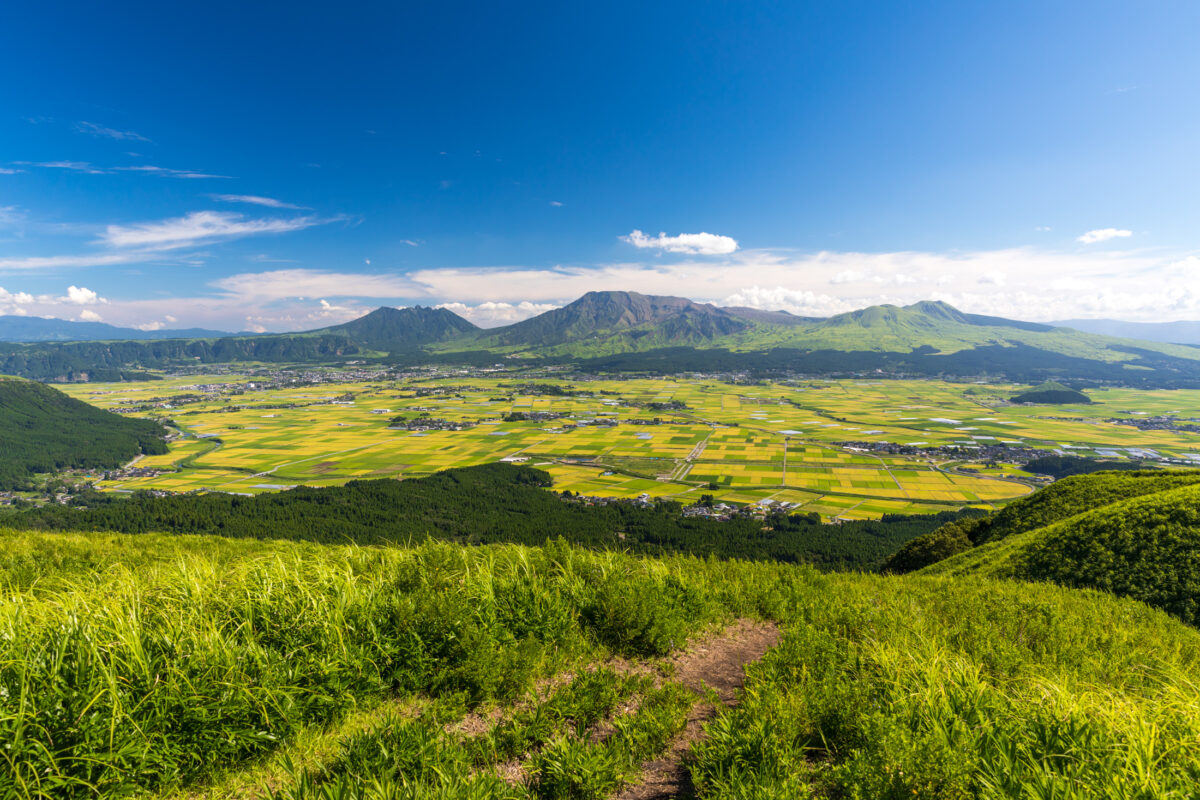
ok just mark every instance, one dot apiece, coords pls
pixel 615 322
pixel 42 430
pixel 389 329
pixel 1134 534
pixel 926 338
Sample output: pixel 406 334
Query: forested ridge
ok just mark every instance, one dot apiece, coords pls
pixel 122 359
pixel 44 430
pixel 482 505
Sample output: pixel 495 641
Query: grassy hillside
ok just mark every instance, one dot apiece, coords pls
pixel 976 544
pixel 209 667
pixel 1146 547
pixel 43 430
pixel 1075 495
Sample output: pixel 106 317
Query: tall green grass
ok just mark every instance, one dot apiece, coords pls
pixel 132 665
pixel 154 672
pixel 942 689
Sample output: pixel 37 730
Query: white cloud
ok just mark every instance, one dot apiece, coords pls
pixel 87 315
pixel 109 133
pixel 78 295
pixel 556 203
pixel 282 284
pixel 1103 235
pixel 170 319
pixel 8 171
pixel 198 227
pixel 73 166
pixel 795 301
pixel 67 262
pixel 150 326
pixel 167 172
pixel 253 199
pixel 1134 285
pixel 703 244
pixel 92 169
pixel 15 298
pixel 490 315
pixel 848 276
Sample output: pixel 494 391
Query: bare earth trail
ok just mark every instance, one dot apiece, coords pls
pixel 718 663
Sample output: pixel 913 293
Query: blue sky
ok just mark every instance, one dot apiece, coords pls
pixel 285 166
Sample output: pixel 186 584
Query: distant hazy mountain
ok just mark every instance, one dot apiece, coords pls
pixel 1173 332
pixel 37 329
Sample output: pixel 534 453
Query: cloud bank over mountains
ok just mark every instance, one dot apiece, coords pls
pixel 1021 283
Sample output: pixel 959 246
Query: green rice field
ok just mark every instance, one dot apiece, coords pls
pixel 799 441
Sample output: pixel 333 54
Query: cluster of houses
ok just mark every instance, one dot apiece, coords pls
pixel 1162 422
pixel 133 472
pixel 429 424
pixel 978 451
pixel 718 511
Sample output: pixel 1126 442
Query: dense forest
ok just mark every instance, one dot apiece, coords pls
pixel 1065 466
pixel 44 430
pixel 482 505
pixel 1052 393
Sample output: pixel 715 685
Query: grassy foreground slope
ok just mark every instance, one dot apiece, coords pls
pixel 150 664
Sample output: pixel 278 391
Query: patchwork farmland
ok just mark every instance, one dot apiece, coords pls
pixel 805 442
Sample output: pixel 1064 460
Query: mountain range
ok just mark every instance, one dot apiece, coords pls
pixel 628 331
pixel 15 328
pixel 1182 332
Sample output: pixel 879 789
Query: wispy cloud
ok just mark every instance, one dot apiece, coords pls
pixel 92 169
pixel 702 244
pixel 8 171
pixel 1103 235
pixel 74 166
pixel 31 263
pixel 282 284
pixel 92 129
pixel 256 200
pixel 198 227
pixel 167 172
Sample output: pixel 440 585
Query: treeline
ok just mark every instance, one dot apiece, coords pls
pixel 44 430
pixel 1065 466
pixel 482 505
pixel 122 360
pixel 1019 363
